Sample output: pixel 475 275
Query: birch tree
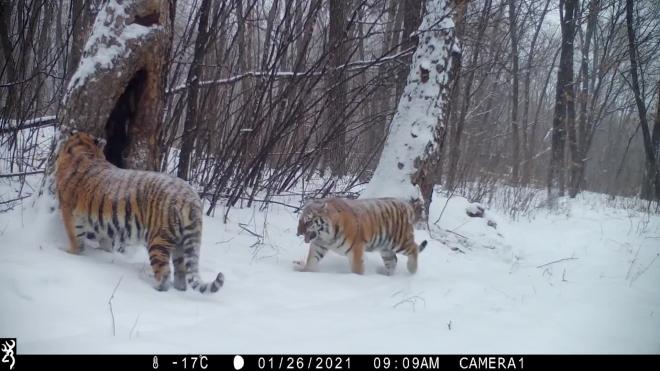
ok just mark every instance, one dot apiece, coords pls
pixel 416 129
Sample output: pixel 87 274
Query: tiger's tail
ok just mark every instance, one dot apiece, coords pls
pixel 422 245
pixel 191 260
pixel 205 287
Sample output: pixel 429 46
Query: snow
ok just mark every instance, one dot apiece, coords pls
pixel 419 111
pixel 582 279
pixel 27 138
pixel 107 42
pixel 474 208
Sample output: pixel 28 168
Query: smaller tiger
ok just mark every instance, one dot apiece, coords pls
pixel 351 227
pixel 114 206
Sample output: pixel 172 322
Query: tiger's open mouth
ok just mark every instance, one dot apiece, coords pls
pixel 309 236
pixel 303 229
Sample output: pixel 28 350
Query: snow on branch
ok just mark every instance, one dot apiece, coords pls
pixel 236 78
pixel 413 132
pixel 37 122
pixel 286 74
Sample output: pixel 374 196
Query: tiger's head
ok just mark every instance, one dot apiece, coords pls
pixel 81 144
pixel 315 221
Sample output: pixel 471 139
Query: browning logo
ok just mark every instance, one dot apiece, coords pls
pixel 8 347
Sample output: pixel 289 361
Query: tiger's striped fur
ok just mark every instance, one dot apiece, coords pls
pixel 351 227
pixel 114 206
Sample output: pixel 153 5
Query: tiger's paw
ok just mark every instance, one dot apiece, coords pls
pixel 300 266
pixel 163 286
pixel 74 251
pixel 180 284
pixel 384 271
pixel 105 245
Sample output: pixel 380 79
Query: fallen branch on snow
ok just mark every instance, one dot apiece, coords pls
pixel 112 313
pixel 555 261
pixel 243 227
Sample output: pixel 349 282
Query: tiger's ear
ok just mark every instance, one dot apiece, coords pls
pixel 100 142
pixel 67 131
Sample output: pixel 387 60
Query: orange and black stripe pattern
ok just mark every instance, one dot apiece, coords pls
pixel 351 227
pixel 115 206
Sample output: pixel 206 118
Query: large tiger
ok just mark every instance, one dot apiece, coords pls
pixel 351 227
pixel 114 206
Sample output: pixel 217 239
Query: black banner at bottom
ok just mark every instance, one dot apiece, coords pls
pixel 383 362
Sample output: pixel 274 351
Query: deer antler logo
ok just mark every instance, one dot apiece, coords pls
pixel 9 353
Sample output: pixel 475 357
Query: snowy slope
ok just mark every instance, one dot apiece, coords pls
pixel 487 296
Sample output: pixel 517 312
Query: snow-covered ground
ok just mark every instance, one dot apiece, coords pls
pixel 583 279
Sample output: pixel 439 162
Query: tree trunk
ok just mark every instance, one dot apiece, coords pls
pixel 556 171
pixel 337 87
pixel 377 131
pixel 412 13
pixel 583 97
pixel 529 142
pixel 79 25
pixel 653 174
pixel 574 164
pixel 655 139
pixel 268 35
pixel 242 116
pixel 456 138
pixel 515 135
pixel 190 126
pixel 9 63
pixel 416 129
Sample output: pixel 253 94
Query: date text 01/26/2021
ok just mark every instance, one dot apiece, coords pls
pixel 304 363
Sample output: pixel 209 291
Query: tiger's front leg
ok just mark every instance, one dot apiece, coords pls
pixel 314 256
pixel 389 258
pixel 356 258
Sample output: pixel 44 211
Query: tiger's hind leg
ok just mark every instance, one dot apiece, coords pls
pixel 179 269
pixel 389 258
pixel 411 250
pixel 159 256
pixel 105 244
